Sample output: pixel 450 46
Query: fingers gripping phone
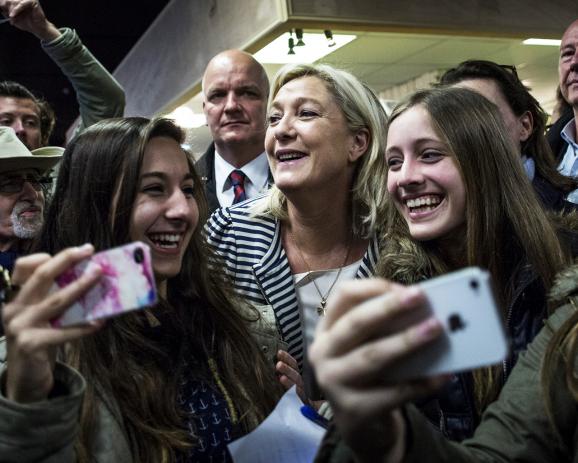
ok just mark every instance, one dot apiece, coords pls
pixel 127 283
pixel 473 336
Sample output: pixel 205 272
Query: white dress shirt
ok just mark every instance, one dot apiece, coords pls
pixel 256 173
pixel 569 164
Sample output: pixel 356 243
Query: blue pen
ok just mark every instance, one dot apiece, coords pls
pixel 310 413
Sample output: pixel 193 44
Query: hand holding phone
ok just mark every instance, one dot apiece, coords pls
pixel 473 337
pixel 31 352
pixel 127 283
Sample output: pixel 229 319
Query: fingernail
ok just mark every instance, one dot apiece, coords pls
pixel 97 323
pixel 410 294
pixel 93 270
pixel 429 329
pixel 85 247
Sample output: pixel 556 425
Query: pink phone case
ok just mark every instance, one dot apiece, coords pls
pixel 127 284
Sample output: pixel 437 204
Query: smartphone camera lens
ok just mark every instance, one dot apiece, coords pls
pixel 138 255
pixel 474 284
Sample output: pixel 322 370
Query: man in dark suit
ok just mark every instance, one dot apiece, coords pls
pixel 563 135
pixel 234 167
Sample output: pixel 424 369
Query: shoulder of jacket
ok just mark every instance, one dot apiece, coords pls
pixel 566 284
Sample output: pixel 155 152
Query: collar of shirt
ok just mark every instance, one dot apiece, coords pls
pixel 529 167
pixel 568 133
pixel 568 165
pixel 256 171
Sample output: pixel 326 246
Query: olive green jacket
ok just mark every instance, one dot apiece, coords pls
pixel 516 426
pixel 98 93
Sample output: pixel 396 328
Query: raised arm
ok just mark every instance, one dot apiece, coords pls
pixel 98 94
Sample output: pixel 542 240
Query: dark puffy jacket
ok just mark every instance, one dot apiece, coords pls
pixel 557 143
pixel 551 197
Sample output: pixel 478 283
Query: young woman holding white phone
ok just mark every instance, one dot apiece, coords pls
pixel 460 198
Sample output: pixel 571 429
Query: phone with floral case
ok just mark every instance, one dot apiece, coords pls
pixel 127 283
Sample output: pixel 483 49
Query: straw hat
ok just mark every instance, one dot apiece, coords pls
pixel 15 156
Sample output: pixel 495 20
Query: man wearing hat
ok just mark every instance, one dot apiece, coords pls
pixel 23 178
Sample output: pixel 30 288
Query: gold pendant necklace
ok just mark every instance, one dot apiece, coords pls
pixel 323 299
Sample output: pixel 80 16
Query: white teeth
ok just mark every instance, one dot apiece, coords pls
pixel 289 156
pixel 165 240
pixel 423 201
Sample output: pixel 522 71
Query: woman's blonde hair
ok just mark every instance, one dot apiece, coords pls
pixel 362 110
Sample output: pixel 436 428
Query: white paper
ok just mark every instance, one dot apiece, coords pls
pixel 286 436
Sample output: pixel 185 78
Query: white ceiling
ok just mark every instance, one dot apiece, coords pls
pixel 388 60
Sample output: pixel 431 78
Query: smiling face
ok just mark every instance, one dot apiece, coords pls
pixel 568 65
pixel 308 142
pixel 165 212
pixel 235 90
pixel 423 178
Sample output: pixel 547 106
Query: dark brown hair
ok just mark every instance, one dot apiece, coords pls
pixel 126 362
pixel 505 224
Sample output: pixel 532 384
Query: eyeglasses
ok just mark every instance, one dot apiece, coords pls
pixel 12 185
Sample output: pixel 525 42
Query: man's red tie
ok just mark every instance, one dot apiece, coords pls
pixel 238 181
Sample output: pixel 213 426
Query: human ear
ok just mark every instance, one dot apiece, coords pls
pixel 359 144
pixel 526 126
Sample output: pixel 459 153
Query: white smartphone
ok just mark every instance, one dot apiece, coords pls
pixel 473 337
pixel 127 283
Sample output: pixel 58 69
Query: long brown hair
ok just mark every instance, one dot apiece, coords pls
pixel 505 224
pixel 128 365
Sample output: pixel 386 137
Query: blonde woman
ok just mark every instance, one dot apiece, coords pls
pixel 318 225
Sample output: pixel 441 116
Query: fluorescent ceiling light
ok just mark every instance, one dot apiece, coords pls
pixel 187 118
pixel 315 48
pixel 550 42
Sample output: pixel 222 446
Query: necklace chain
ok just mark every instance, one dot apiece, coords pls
pixel 323 299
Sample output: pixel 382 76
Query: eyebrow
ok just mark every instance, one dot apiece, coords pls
pixel 248 87
pixel 12 114
pixel 223 87
pixel 418 142
pixel 162 175
pixel 299 101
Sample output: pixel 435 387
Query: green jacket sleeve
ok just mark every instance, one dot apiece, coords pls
pixel 42 432
pixel 45 432
pixel 98 94
pixel 515 427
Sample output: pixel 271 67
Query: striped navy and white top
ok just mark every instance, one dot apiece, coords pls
pixel 255 259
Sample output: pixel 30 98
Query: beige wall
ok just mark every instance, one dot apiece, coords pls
pixel 165 67
pixel 545 18
pixel 168 61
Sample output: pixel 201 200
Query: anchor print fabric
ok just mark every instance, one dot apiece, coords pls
pixel 208 418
